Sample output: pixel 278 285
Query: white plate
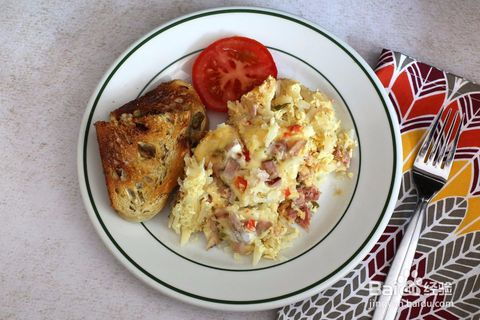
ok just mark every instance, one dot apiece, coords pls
pixel 342 232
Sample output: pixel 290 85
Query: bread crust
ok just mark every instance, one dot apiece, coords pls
pixel 143 146
pixel 175 95
pixel 142 159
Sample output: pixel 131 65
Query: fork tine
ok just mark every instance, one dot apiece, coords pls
pixel 426 143
pixel 453 147
pixel 443 150
pixel 443 145
pixel 438 139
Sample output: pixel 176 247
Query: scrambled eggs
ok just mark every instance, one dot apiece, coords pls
pixel 251 181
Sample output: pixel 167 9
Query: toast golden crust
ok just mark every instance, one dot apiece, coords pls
pixel 142 158
pixel 175 95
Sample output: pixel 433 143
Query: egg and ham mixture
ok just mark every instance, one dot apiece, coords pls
pixel 253 181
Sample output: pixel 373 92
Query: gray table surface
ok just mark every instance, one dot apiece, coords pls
pixel 52 54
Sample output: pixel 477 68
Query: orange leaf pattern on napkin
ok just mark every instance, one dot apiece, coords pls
pixel 418 91
pixel 448 252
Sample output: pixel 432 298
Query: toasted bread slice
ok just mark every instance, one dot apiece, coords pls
pixel 142 159
pixel 175 95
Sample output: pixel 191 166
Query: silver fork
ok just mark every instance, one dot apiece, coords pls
pixel 430 173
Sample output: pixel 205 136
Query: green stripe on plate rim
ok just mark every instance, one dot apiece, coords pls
pixel 213 300
pixel 341 217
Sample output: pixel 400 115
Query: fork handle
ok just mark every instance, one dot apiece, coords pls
pixel 387 306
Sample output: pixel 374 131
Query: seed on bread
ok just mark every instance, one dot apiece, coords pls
pixel 146 150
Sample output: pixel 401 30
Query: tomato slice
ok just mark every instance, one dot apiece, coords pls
pixel 230 67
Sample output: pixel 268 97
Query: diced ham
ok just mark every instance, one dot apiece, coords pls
pixel 213 236
pixel 270 167
pixel 235 222
pixel 240 247
pixel 221 213
pixel 231 168
pixel 274 182
pixel 282 208
pixel 305 222
pixel 217 169
pixel 285 209
pixel 224 190
pixel 342 155
pixel 295 147
pixel 262 226
pixel 291 213
pixel 300 200
pixel 278 148
pixel 310 193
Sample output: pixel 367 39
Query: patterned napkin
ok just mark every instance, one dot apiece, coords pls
pixel 445 276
